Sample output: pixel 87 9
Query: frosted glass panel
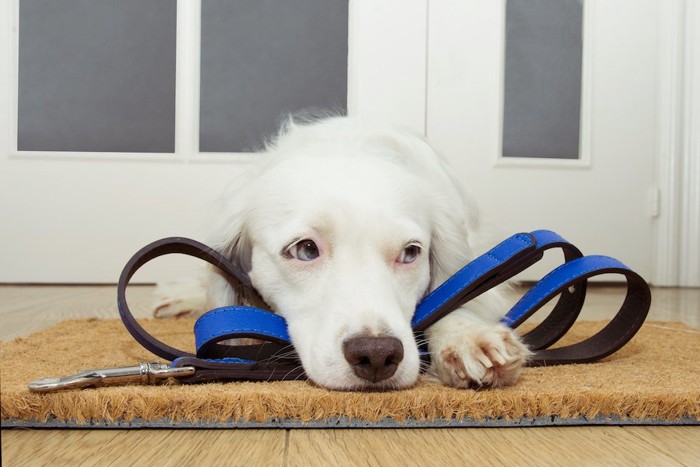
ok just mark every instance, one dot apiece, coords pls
pixel 542 96
pixel 97 75
pixel 262 59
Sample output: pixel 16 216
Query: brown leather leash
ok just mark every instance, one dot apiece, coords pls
pixel 275 359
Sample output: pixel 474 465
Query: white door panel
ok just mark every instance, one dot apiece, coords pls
pixel 78 217
pixel 80 221
pixel 601 201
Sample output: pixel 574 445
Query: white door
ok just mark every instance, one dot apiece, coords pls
pixel 72 217
pixel 602 201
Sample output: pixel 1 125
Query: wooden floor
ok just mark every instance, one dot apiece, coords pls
pixel 25 309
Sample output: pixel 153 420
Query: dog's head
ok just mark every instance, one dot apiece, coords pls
pixel 343 245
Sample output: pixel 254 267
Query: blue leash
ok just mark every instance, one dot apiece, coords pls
pixel 272 361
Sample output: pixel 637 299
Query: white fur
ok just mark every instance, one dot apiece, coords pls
pixel 361 192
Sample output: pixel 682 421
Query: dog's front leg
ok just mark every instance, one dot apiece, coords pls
pixel 469 350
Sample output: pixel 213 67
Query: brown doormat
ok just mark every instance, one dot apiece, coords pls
pixel 655 379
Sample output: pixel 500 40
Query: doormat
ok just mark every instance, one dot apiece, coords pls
pixel 653 380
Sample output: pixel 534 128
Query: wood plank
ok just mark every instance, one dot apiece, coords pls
pixel 143 447
pixel 494 446
pixel 468 446
pixel 680 443
pixel 28 309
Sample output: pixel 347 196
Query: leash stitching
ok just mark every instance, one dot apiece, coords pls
pixel 267 314
pixel 535 291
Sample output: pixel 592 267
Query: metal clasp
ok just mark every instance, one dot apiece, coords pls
pixel 143 373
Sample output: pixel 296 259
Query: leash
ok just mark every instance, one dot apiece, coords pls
pixel 275 358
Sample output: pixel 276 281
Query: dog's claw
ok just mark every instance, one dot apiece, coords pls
pixel 483 359
pixel 498 356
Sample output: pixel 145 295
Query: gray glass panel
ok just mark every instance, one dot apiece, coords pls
pixel 265 58
pixel 97 75
pixel 542 98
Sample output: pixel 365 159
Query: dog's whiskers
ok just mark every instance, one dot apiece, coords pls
pixel 424 367
pixel 292 354
pixel 293 370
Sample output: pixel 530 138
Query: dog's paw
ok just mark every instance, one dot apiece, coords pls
pixel 478 355
pixel 182 307
pixel 179 299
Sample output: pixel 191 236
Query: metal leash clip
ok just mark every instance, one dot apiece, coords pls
pixel 143 373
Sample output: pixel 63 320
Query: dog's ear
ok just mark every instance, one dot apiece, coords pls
pixel 230 238
pixel 225 291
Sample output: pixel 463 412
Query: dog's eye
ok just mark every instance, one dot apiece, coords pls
pixel 409 254
pixel 304 250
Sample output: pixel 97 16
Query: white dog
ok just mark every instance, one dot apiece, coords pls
pixel 343 227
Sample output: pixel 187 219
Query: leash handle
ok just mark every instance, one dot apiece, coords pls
pixel 215 360
pixel 574 274
pixel 569 281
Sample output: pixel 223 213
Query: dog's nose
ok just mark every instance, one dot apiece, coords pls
pixel 373 358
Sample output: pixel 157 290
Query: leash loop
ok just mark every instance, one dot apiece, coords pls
pixel 214 359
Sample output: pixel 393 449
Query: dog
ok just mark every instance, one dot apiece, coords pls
pixel 343 226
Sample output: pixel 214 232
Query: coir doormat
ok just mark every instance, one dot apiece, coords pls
pixel 655 379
